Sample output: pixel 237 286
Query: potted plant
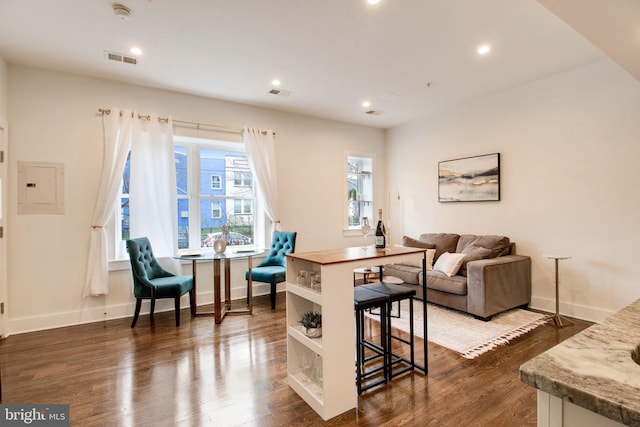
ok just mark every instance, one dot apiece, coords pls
pixel 311 321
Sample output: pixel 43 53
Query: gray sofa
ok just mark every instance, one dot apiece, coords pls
pixel 491 279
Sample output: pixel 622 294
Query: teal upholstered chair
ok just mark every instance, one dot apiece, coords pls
pixel 272 269
pixel 150 281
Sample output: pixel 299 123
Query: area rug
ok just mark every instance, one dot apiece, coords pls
pixel 464 333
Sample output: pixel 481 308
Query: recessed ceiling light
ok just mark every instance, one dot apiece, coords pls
pixel 136 51
pixel 275 82
pixel 366 104
pixel 373 1
pixel 484 49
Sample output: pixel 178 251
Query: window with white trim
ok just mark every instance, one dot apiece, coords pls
pixel 216 210
pixel 205 204
pixel 242 179
pixel 359 197
pixel 216 182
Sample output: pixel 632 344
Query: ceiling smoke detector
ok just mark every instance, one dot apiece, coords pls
pixel 122 12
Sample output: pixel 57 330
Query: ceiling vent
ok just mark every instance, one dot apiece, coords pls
pixel 118 57
pixel 374 112
pixel 280 92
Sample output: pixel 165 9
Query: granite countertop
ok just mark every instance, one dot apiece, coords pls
pixel 594 369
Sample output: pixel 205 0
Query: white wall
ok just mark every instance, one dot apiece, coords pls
pixel 4 71
pixel 570 147
pixel 53 117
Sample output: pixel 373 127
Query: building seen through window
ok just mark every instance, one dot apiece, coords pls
pixel 214 189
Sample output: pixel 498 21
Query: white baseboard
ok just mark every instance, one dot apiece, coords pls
pixel 582 312
pixel 100 314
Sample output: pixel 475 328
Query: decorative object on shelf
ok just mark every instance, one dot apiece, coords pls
pixel 219 245
pixel 471 179
pixel 311 321
pixel 353 195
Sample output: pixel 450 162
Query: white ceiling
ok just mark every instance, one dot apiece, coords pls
pixel 332 54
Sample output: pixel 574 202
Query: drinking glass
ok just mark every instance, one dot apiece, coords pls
pixel 303 278
pixel 366 228
pixel 316 372
pixel 307 363
pixel 316 284
pixel 387 226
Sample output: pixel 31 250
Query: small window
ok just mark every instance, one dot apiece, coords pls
pixel 359 197
pixel 242 206
pixel 216 182
pixel 216 210
pixel 242 179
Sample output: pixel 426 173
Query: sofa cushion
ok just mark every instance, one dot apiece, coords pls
pixel 418 264
pixel 406 273
pixel 449 263
pixel 499 245
pixel 415 243
pixel 454 285
pixel 444 242
pixel 473 253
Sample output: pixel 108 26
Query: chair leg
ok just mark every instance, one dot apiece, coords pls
pixel 273 296
pixel 247 292
pixel 177 311
pixel 137 312
pixel 192 299
pixel 153 307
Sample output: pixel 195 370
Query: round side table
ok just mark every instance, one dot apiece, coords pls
pixel 558 320
pixel 367 273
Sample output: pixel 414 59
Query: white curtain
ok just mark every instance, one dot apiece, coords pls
pixel 152 191
pixel 259 145
pixel 118 131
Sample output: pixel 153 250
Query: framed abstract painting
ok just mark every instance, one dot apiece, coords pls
pixel 470 179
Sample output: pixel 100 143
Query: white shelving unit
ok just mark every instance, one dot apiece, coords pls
pixel 334 352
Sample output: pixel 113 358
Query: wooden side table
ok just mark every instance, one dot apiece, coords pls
pixel 558 320
pixel 366 272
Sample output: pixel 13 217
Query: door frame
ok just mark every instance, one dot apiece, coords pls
pixel 4 167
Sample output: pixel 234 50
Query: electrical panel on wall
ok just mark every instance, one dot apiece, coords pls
pixel 40 188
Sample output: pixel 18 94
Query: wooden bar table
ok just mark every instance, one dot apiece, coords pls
pixel 329 386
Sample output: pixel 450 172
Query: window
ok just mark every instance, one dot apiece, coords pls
pixel 242 207
pixel 216 210
pixel 359 197
pixel 216 182
pixel 123 212
pixel 214 188
pixel 242 179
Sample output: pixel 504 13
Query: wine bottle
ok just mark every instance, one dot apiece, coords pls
pixel 381 238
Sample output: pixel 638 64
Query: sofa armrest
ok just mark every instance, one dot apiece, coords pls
pixel 498 284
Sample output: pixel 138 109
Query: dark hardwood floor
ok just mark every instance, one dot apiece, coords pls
pixel 234 374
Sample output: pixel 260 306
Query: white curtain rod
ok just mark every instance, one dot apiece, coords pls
pixel 187 124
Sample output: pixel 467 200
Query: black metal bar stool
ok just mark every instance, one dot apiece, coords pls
pixel 396 293
pixel 391 280
pixel 364 299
